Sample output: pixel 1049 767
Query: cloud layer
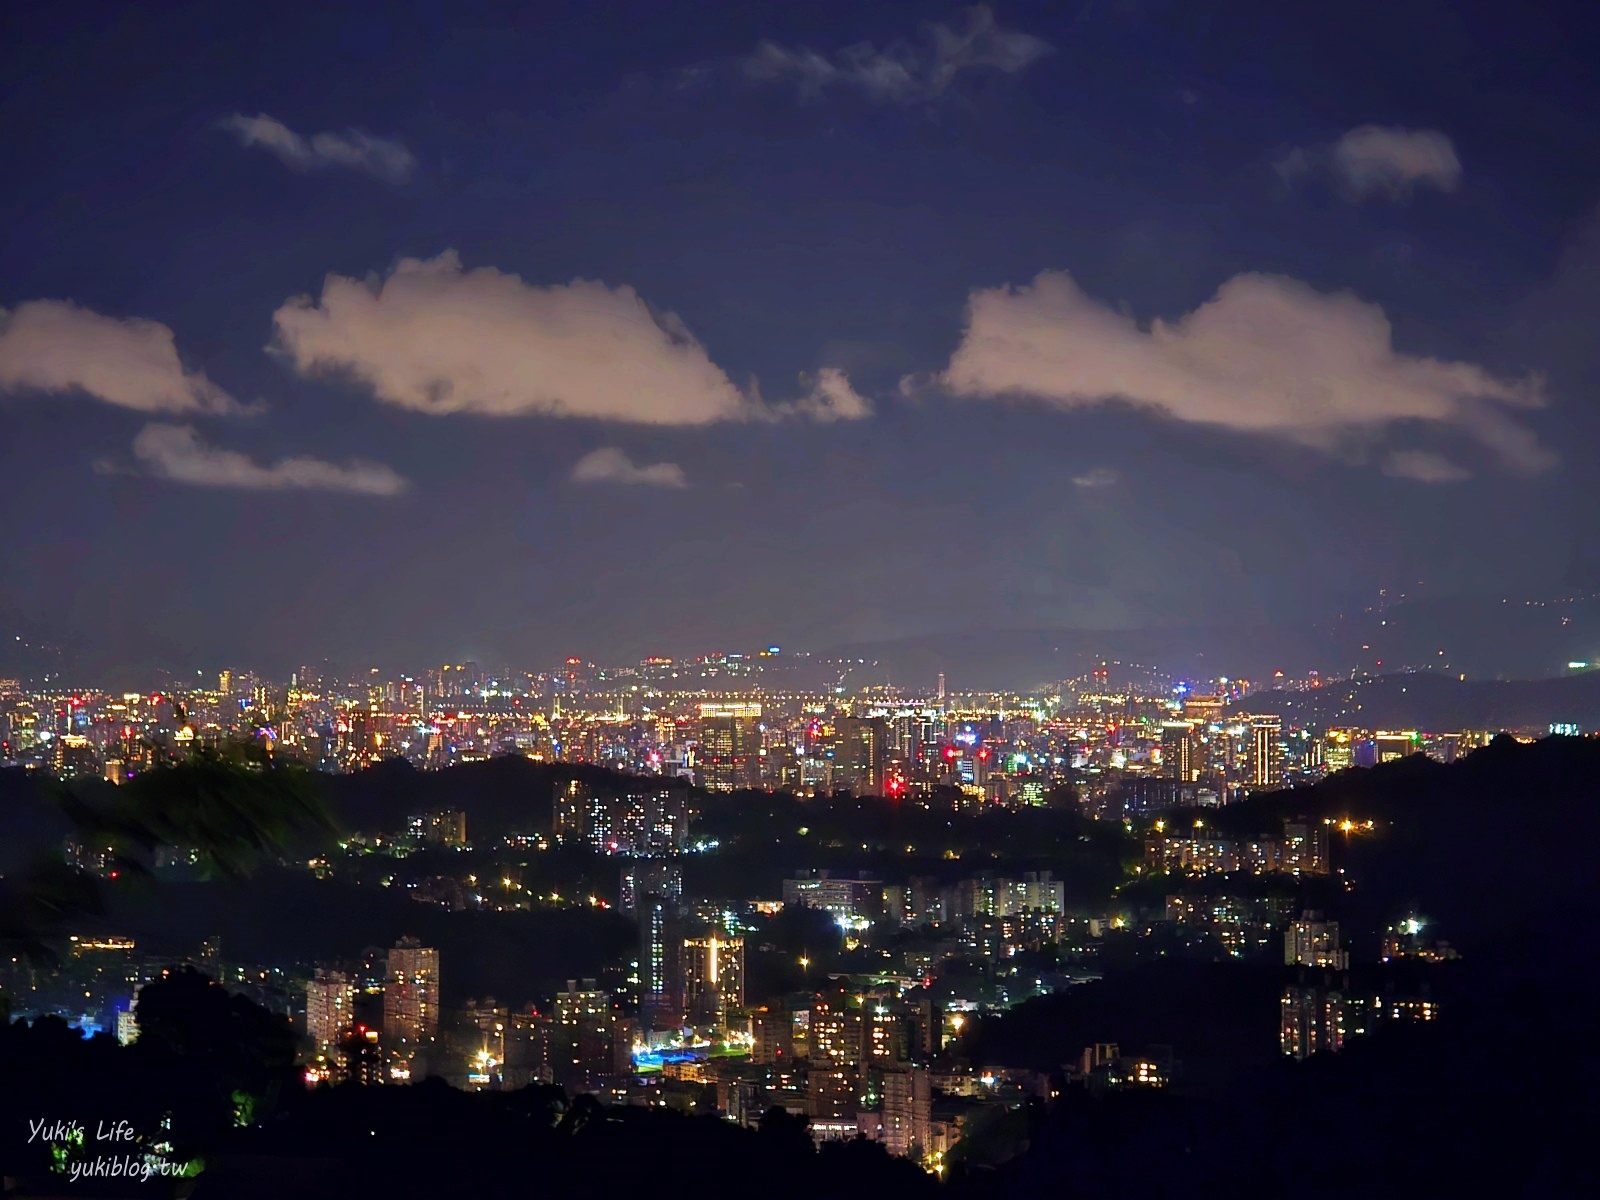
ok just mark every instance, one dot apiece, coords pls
pixel 55 346
pixel 436 338
pixel 1382 161
pixel 178 453
pixel 381 157
pixel 611 465
pixel 1266 355
pixel 902 72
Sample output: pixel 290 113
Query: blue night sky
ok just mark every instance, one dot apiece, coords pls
pixel 403 332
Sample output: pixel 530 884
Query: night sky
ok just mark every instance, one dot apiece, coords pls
pixel 411 332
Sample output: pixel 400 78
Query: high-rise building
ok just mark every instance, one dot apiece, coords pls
pixel 411 992
pixel 580 1003
pixel 660 972
pixel 860 754
pixel 360 1056
pixel 1305 847
pixel 1036 891
pixel 1181 751
pixel 650 877
pixel 585 1039
pixel 907 1109
pixel 1264 752
pixel 645 822
pixel 847 899
pixel 1338 750
pixel 730 746
pixel 330 1001
pixel 446 828
pixel 713 978
pixel 835 1048
pixel 1388 746
pixel 1319 1016
pixel 1314 942
pixel 772 1037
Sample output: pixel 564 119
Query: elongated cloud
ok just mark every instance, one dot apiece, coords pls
pixel 902 72
pixel 1096 477
pixel 436 338
pixel 1380 161
pixel 1266 355
pixel 611 465
pixel 178 453
pixel 55 346
pixel 384 158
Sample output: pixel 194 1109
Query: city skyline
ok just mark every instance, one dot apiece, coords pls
pixel 822 328
pixel 934 600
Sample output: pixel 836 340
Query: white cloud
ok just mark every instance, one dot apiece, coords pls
pixel 1384 161
pixel 55 346
pixel 901 72
pixel 436 338
pixel 1266 355
pixel 611 465
pixel 831 398
pixel 387 159
pixel 1096 477
pixel 177 453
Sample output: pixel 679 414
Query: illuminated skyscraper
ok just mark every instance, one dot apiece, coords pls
pixel 860 752
pixel 847 900
pixel 914 735
pixel 577 1004
pixel 730 746
pixel 447 828
pixel 1338 750
pixel 1181 751
pixel 650 877
pixel 330 998
pixel 1389 746
pixel 1305 847
pixel 835 1051
pixel 411 992
pixel 713 978
pixel 1314 942
pixel 660 957
pixel 646 822
pixel 1264 753
pixel 1319 1015
pixel 907 1109
pixel 772 1033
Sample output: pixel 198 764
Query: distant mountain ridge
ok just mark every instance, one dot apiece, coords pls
pixel 1495 638
pixel 1439 703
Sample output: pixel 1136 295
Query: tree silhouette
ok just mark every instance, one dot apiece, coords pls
pixel 232 808
pixel 223 1058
